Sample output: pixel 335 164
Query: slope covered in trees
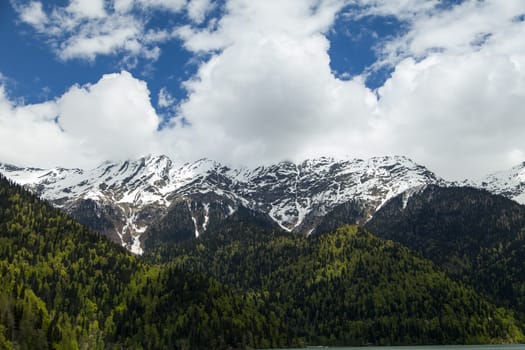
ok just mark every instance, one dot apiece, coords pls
pixel 64 287
pixel 474 236
pixel 346 287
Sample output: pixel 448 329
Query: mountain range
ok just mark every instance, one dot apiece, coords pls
pixel 259 258
pixel 248 285
pixel 125 200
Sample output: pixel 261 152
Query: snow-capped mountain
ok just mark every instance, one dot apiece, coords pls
pixel 509 183
pixel 123 199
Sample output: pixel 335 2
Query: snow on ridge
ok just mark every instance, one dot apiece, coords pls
pixel 510 183
pixel 323 183
pixel 288 192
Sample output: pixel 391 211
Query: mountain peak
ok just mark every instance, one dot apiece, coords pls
pixel 126 197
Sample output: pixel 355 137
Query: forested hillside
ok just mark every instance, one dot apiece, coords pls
pixel 64 287
pixel 346 287
pixel 474 236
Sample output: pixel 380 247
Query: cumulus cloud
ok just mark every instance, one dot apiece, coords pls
pixel 29 135
pixel 460 115
pixel 171 5
pixel 453 103
pixel 112 119
pixel 87 8
pixel 265 91
pixel 270 91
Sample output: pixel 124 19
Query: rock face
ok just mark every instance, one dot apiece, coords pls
pixel 122 200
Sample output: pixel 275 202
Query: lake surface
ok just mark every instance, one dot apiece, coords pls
pixel 427 347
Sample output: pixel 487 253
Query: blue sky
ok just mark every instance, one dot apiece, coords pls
pixel 37 74
pixel 353 44
pixel 443 82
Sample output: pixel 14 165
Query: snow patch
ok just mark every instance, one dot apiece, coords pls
pixel 135 247
pixel 509 183
pixel 206 216
pixel 194 221
pixel 411 192
pixel 520 198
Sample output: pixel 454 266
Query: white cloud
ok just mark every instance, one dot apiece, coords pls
pixel 170 5
pixel 87 8
pixel 104 37
pixel 85 29
pixel 454 102
pixel 457 114
pixel 402 9
pixel 29 136
pixel 88 28
pixel 33 14
pixel 123 6
pixel 165 99
pixel 461 29
pixel 197 9
pixel 248 21
pixel 459 108
pixel 111 119
pixel 269 90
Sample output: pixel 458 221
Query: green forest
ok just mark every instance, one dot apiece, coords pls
pixel 345 288
pixel 241 286
pixel 65 287
pixel 472 235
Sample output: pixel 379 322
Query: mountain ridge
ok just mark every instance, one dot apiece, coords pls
pixel 123 199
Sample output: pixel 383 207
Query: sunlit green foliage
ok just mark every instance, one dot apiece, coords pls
pixel 64 287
